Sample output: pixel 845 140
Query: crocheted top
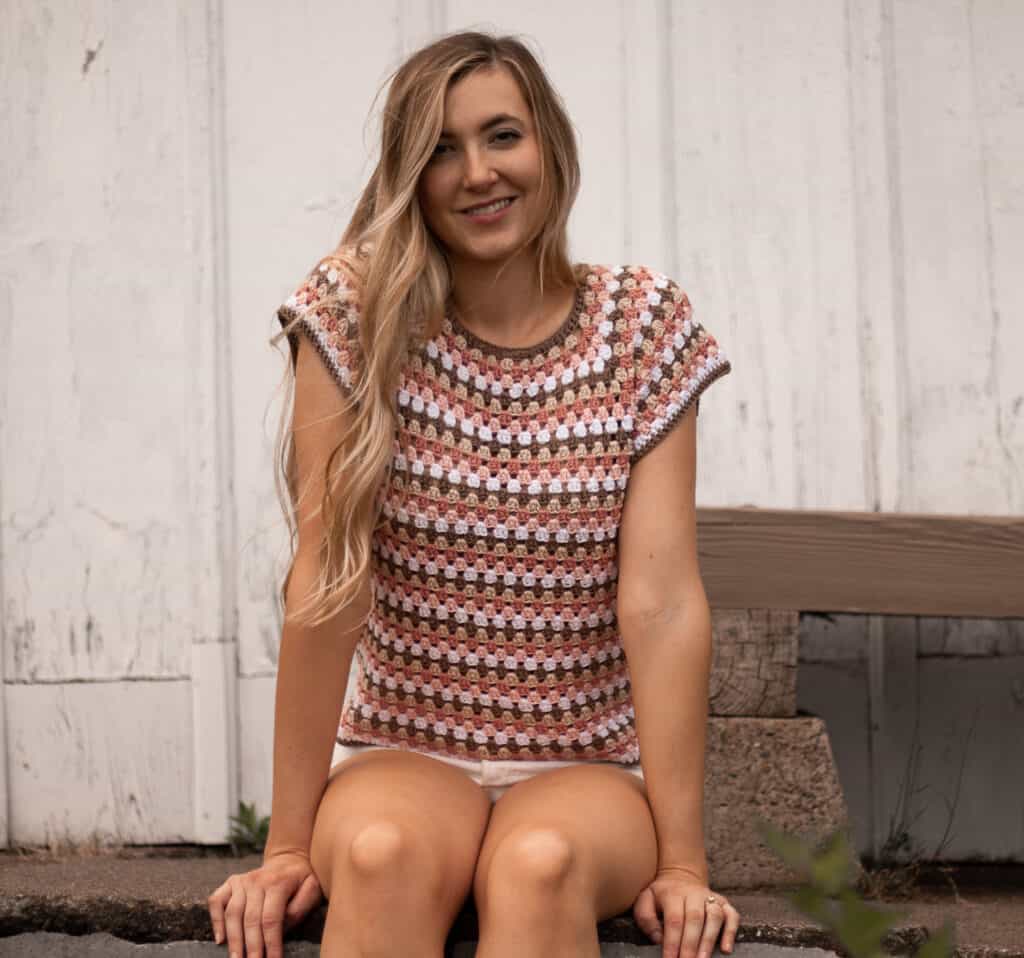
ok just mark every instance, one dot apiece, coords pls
pixel 492 632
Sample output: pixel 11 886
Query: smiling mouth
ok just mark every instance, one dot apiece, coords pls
pixel 491 207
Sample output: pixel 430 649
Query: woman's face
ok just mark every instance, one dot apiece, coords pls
pixel 488 151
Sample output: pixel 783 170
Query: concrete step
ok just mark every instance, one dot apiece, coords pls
pixel 50 945
pixel 160 903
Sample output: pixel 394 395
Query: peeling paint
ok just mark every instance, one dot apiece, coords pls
pixel 90 55
pixel 92 635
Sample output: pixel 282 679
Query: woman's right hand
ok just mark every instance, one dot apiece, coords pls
pixel 254 909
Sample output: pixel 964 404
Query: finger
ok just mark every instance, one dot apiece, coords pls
pixel 673 917
pixel 273 921
pixel 253 922
pixel 694 925
pixel 732 926
pixel 646 915
pixel 233 919
pixel 219 897
pixel 303 901
pixel 713 917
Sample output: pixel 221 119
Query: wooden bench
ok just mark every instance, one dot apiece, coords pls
pixel 761 568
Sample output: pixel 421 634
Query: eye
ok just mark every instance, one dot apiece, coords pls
pixel 512 135
pixel 437 149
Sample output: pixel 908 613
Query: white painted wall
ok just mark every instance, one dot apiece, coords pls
pixel 836 184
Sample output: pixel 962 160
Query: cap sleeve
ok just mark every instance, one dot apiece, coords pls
pixel 328 309
pixel 674 360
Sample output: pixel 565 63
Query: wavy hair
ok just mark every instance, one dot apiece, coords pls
pixel 398 273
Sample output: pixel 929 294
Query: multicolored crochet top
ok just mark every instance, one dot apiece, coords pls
pixel 493 630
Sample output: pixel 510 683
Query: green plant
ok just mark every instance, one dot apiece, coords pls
pixel 828 896
pixel 248 831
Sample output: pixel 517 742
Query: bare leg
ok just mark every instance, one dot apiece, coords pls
pixel 563 850
pixel 394 847
pixel 536 904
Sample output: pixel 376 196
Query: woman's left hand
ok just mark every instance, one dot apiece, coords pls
pixel 691 922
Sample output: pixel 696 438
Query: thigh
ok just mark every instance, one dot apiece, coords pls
pixel 603 815
pixel 439 808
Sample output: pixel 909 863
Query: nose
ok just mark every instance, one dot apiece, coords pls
pixel 476 171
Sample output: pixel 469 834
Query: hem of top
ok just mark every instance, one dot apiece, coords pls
pixel 661 433
pixel 351 743
pixel 568 326
pixel 321 349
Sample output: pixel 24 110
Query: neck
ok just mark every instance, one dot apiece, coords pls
pixel 505 307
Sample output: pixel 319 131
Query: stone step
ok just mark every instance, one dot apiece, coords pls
pixel 137 897
pixel 51 945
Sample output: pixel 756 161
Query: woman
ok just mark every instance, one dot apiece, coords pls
pixel 468 407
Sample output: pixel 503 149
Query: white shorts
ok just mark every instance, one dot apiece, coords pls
pixel 495 777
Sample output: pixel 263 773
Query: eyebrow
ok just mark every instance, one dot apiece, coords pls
pixel 487 124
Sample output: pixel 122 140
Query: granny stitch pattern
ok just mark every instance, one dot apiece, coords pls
pixel 493 631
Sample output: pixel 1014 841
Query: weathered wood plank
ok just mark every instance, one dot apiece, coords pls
pixel 863 562
pixel 109 762
pixel 955 143
pixel 107 570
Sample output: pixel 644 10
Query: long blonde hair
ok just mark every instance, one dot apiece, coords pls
pixel 398 273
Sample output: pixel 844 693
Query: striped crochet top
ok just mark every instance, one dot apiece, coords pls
pixel 492 632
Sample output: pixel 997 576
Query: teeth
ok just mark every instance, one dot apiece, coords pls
pixel 490 208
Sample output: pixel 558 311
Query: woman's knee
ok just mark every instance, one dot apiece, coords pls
pixel 383 849
pixel 386 812
pixel 380 850
pixel 527 861
pixel 377 848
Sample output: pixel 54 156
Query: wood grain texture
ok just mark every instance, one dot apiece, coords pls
pixel 753 665
pixel 900 564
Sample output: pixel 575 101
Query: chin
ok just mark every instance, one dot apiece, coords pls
pixel 496 249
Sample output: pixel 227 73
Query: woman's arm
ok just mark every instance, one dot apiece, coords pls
pixel 312 672
pixel 314 661
pixel 665 623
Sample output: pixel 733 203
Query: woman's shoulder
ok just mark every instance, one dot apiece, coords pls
pixel 330 287
pixel 628 275
pixel 335 274
pixel 325 307
pixel 637 288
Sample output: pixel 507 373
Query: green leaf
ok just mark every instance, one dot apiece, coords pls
pixel 794 851
pixel 831 864
pixel 813 903
pixel 861 928
pixel 248 831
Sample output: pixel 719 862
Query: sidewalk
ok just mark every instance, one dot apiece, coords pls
pixel 139 896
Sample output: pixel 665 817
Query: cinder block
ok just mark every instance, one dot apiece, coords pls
pixel 778 770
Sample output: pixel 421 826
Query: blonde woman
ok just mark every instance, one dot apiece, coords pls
pixel 489 473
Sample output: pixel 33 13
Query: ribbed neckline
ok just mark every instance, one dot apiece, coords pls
pixel 568 325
